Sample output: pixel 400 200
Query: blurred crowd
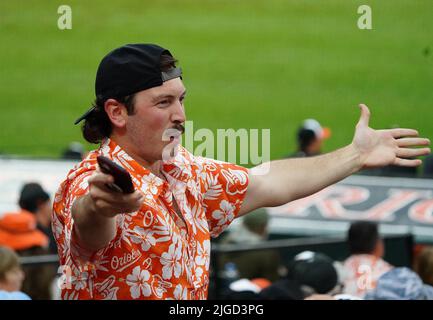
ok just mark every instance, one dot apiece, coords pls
pixel 363 275
pixel 27 233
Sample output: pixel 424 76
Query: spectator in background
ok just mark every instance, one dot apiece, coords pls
pixel 424 265
pixel 310 137
pixel 75 151
pixel 400 284
pixel 245 289
pixel 11 276
pixel 283 289
pixel 314 273
pixel 253 229
pixel 34 199
pixel 365 265
pixel 18 231
pixel 259 263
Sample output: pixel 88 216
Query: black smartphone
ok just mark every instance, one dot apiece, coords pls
pixel 122 179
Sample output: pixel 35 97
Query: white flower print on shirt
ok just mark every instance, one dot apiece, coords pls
pixel 180 293
pixel 137 281
pixel 203 254
pixel 171 261
pixel 150 186
pixel 224 215
pixel 79 279
pixel 143 237
pixel 198 275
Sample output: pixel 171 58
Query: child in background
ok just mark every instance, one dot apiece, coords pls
pixel 11 276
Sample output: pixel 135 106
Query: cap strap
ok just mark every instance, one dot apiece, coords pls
pixel 171 74
pixel 84 116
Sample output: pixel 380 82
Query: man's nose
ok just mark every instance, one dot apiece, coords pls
pixel 178 114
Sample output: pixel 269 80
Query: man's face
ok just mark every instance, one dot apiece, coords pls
pixel 315 147
pixel 44 209
pixel 157 110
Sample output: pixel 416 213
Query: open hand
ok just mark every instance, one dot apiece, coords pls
pixel 378 148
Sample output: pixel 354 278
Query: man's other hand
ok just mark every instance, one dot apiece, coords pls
pixel 378 148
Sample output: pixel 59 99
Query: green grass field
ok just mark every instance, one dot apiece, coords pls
pixel 247 64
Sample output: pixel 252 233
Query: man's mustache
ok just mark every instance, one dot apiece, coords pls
pixel 176 131
pixel 179 127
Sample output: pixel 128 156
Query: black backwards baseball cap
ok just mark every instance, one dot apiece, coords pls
pixel 314 272
pixel 129 69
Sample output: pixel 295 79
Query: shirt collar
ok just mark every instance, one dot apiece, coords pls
pixel 178 167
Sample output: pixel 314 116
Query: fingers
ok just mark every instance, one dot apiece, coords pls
pixel 411 142
pixel 116 202
pixel 406 149
pixel 365 115
pixel 110 202
pixel 412 152
pixel 407 162
pixel 100 179
pixel 116 197
pixel 399 133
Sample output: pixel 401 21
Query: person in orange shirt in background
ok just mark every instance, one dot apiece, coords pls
pixel 365 265
pixel 155 242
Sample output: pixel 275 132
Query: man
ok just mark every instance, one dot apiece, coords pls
pixel 365 265
pixel 310 138
pixel 155 242
pixel 34 199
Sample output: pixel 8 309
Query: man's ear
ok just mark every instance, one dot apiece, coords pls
pixel 379 250
pixel 116 112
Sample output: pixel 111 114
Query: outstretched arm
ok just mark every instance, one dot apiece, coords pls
pixel 290 179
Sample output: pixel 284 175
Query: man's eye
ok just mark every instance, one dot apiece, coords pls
pixel 163 103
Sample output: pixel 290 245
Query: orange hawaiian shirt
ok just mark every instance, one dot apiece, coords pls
pixel 155 254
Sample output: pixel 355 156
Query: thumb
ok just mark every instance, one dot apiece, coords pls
pixel 365 115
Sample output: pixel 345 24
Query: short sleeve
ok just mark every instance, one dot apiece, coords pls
pixel 75 186
pixel 224 186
